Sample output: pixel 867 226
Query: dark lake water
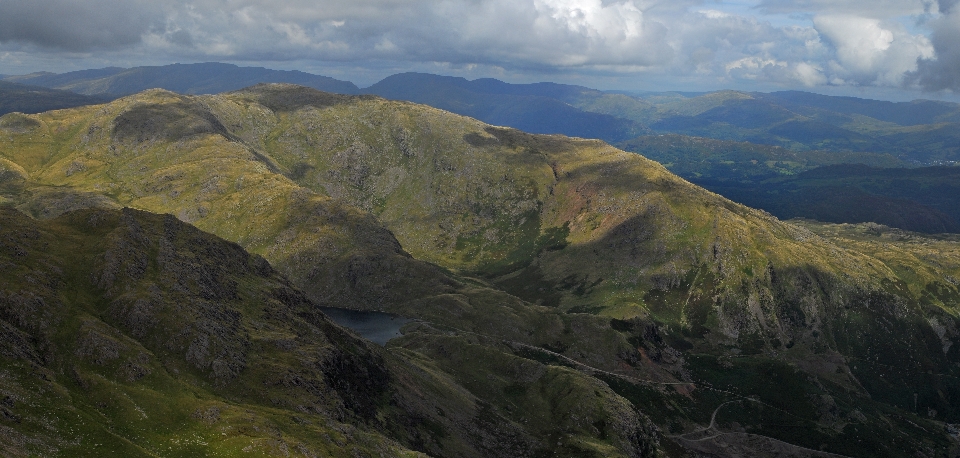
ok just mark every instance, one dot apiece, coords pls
pixel 376 326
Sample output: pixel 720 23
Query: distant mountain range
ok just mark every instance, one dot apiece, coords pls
pixel 727 141
pixel 205 78
pixel 923 132
pixel 538 108
pixel 920 131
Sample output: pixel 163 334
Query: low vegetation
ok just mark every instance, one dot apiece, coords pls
pixel 595 268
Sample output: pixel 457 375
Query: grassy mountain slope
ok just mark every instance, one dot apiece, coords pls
pixel 650 284
pixel 921 131
pixel 618 105
pixel 205 78
pixel 154 338
pixel 35 99
pixel 928 144
pixel 169 153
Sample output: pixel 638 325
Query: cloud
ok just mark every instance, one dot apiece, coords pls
pixel 754 68
pixel 549 33
pixel 828 42
pixel 942 72
pixel 875 9
pixel 77 25
pixel 869 51
pixel 946 6
pixel 744 50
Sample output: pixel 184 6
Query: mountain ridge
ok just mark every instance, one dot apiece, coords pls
pixel 920 131
pixel 154 337
pixel 201 78
pixel 531 107
pixel 637 272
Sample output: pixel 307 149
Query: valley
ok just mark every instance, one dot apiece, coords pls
pixel 839 187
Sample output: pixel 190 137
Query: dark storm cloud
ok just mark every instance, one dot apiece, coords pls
pixel 946 6
pixel 76 25
pixel 943 72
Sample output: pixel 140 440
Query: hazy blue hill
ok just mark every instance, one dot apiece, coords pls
pixel 931 143
pixel 56 80
pixel 700 158
pixel 564 92
pixel 536 108
pixel 34 99
pixel 903 113
pixel 923 199
pixel 834 186
pixel 761 121
pixel 205 78
pixel 922 131
pixel 748 114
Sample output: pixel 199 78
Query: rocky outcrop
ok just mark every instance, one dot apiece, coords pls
pixel 124 323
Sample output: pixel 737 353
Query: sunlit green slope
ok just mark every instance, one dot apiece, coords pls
pixel 374 204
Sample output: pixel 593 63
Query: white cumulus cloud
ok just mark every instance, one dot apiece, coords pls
pixel 868 51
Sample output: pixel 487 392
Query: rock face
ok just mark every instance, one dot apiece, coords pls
pixel 597 266
pixel 130 333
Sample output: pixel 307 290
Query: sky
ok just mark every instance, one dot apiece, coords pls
pixel 884 49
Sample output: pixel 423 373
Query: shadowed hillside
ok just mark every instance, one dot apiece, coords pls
pixel 922 199
pixel 153 335
pixel 128 333
pixel 35 99
pixel 822 185
pixel 565 252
